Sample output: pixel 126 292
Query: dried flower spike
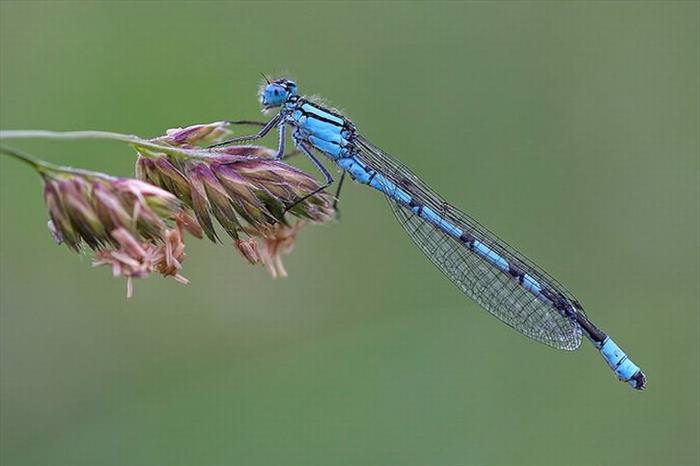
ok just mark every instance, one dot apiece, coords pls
pixel 134 259
pixel 136 225
pixel 280 242
pixel 203 134
pixel 248 193
pixel 87 208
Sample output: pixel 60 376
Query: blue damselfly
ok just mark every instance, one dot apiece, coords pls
pixel 482 266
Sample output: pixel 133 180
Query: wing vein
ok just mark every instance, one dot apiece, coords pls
pixel 500 293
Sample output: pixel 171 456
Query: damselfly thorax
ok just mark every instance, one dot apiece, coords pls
pixel 326 131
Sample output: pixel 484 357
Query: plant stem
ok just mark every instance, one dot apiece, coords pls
pixel 43 134
pixel 44 167
pixel 26 158
pixel 135 141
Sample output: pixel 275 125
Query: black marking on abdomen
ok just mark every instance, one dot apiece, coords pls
pixel 468 239
pixel 371 177
pixel 407 185
pixel 516 273
pixel 559 301
pixel 413 204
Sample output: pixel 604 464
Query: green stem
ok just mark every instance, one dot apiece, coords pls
pixel 26 158
pixel 43 134
pixel 44 167
pixel 135 141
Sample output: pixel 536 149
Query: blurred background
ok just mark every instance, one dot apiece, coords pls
pixel 571 129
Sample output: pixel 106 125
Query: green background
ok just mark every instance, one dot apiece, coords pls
pixel 571 129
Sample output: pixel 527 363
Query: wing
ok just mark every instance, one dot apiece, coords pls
pixel 544 310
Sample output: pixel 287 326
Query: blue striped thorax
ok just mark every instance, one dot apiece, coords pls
pixel 326 131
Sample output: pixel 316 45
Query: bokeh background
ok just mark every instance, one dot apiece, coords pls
pixel 571 129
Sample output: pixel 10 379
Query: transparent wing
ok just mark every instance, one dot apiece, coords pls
pixel 548 316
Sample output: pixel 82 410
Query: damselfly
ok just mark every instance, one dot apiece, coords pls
pixel 482 266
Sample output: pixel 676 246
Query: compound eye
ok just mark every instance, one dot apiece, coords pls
pixel 277 92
